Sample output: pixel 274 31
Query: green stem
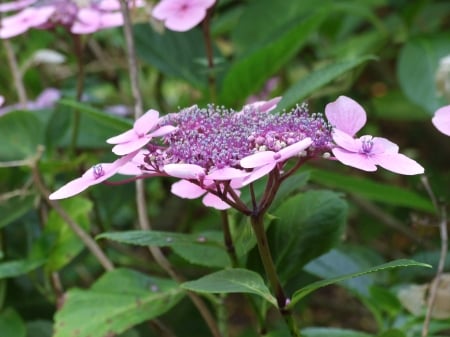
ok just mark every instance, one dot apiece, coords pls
pixel 257 221
pixel 228 239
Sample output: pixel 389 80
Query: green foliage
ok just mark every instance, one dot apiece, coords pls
pixel 11 324
pixel 119 300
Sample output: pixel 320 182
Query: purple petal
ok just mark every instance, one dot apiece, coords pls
pixel 125 148
pixel 211 200
pixel 398 163
pixel 441 120
pixel 258 159
pixel 163 130
pixel 227 173
pixel 346 115
pixel 124 137
pixel 346 141
pixel 357 160
pixel 184 171
pixel 383 145
pixel 146 122
pixel 294 149
pixel 187 190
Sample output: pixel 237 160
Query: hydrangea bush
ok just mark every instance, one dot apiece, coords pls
pixel 101 227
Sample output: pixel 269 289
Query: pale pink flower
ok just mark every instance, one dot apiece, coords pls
pixel 441 120
pixel 80 17
pixel 95 175
pixel 144 129
pixel 46 99
pixel 181 15
pixel 2 100
pixel 366 152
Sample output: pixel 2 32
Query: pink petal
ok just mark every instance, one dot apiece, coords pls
pixel 211 200
pixel 28 18
pixel 294 149
pixel 110 20
pixel 258 159
pixel 227 173
pixel 441 120
pixel 125 148
pixel 263 106
pixel 146 122
pixel 187 190
pixel 357 160
pixel 87 22
pixel 16 5
pixel 184 171
pixel 124 137
pixel 70 189
pixel 2 100
pixel 255 175
pixel 398 163
pixel 184 21
pixel 109 5
pixel 163 130
pixel 346 141
pixel 383 145
pixel 346 115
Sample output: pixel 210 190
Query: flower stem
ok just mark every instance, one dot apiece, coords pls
pixel 228 239
pixel 257 221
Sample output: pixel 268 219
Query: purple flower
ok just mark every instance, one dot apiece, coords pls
pixel 80 17
pixel 441 120
pixel 46 99
pixel 144 129
pixel 366 152
pixel 95 175
pixel 181 15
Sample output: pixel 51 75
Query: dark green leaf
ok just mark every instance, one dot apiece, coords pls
pixel 317 79
pixel 231 281
pixel 21 132
pixel 307 226
pixel 119 300
pixel 250 72
pixel 19 267
pixel 392 333
pixel 333 332
pixel 299 294
pixel 39 328
pixel 11 324
pixel 14 208
pixel 416 69
pixel 372 190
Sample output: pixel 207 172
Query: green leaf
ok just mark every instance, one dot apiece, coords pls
pixel 21 132
pixel 317 79
pixel 308 225
pixel 372 190
pixel 299 294
pixel 119 300
pixel 392 333
pixel 204 249
pixel 289 187
pixel 416 69
pixel 59 244
pixel 13 208
pixel 173 53
pixel 232 281
pixel 333 332
pixel 11 324
pixel 249 73
pixel 19 267
pixel 39 328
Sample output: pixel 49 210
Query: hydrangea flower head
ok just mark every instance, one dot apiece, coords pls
pixel 181 15
pixel 441 120
pixel 366 152
pixel 79 16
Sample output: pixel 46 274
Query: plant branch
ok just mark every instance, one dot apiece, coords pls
pixel 16 73
pixel 228 239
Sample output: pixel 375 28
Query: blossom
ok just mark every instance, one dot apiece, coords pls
pixel 95 175
pixel 80 17
pixel 441 120
pixel 366 152
pixel 46 99
pixel 144 129
pixel 181 15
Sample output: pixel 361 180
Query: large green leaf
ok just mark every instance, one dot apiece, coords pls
pixel 14 208
pixel 416 69
pixel 232 281
pixel 333 332
pixel 301 293
pixel 307 226
pixel 203 248
pixel 19 267
pixel 175 54
pixel 388 194
pixel 21 133
pixel 59 244
pixel 11 324
pixel 249 73
pixel 317 79
pixel 119 300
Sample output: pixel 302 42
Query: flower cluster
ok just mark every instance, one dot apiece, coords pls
pixel 181 15
pixel 216 152
pixel 79 16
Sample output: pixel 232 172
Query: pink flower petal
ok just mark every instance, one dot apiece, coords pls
pixel 357 160
pixel 254 175
pixel 185 171
pixel 346 141
pixel 263 106
pixel 258 159
pixel 398 163
pixel 346 115
pixel 211 200
pixel 146 122
pixel 16 5
pixel 187 190
pixel 2 100
pixel 227 173
pixel 294 149
pixel 383 145
pixel 124 137
pixel 110 20
pixel 163 130
pixel 87 22
pixel 28 18
pixel 441 120
pixel 125 148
